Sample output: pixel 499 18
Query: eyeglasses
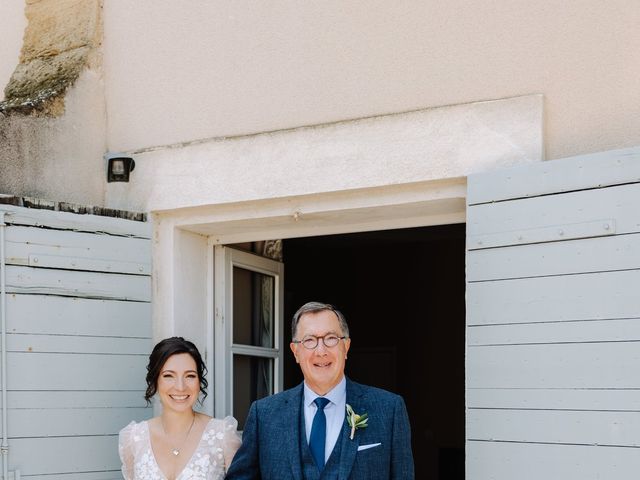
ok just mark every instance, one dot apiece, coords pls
pixel 311 342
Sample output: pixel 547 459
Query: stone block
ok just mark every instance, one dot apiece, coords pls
pixel 56 26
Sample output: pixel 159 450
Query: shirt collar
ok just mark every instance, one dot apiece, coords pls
pixel 334 395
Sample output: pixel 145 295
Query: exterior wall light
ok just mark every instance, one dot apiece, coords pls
pixel 119 167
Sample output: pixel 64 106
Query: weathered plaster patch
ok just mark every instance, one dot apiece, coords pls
pixel 34 86
pixel 59 159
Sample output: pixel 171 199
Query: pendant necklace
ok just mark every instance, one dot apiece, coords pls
pixel 176 451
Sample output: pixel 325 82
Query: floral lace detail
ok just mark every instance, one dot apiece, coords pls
pixel 147 468
pixel 212 456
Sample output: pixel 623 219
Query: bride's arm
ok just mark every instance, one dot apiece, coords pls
pixel 231 442
pixel 126 451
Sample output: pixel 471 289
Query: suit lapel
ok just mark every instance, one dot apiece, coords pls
pixel 291 440
pixel 350 447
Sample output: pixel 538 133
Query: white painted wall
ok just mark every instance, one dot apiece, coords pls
pixel 52 158
pixel 59 159
pixel 13 25
pixel 428 145
pixel 175 74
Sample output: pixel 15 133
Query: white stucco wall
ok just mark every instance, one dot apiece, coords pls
pixel 427 145
pixel 224 68
pixel 13 23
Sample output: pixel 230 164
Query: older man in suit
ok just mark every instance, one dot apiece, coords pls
pixel 318 430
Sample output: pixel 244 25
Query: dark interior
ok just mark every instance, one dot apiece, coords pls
pixel 403 294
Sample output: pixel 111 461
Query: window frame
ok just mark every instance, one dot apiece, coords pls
pixel 225 259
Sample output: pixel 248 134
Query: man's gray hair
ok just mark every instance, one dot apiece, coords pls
pixel 314 307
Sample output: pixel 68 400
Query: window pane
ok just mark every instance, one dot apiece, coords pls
pixel 253 305
pixel 252 380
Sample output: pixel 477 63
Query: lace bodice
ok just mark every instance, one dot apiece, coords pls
pixel 210 460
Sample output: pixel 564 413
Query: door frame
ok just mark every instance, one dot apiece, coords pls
pixel 183 260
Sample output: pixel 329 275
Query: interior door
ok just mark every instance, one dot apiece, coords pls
pixel 248 296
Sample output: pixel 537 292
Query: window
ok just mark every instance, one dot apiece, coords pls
pixel 248 330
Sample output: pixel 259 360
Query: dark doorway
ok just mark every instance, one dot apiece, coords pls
pixel 403 294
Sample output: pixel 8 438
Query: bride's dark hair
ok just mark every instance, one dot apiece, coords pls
pixel 161 353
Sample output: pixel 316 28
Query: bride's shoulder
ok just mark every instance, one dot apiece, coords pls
pixel 226 422
pixel 229 423
pixel 218 426
pixel 133 429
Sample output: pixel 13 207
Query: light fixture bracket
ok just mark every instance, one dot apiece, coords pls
pixel 119 167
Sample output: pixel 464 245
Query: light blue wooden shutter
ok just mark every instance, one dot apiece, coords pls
pixel 79 333
pixel 553 320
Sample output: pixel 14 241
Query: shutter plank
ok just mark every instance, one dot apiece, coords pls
pixel 525 461
pixel 67 422
pixel 68 371
pixel 77 316
pixel 551 177
pixel 76 399
pixel 79 223
pixel 581 365
pixel 89 251
pixel 620 252
pixel 75 344
pixel 507 221
pixel 549 426
pixel 56 455
pixel 554 299
pixel 78 284
pixel 562 332
pixel 554 399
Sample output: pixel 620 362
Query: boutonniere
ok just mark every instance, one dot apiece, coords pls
pixel 356 421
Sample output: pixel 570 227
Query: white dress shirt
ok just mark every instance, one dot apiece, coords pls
pixel 335 412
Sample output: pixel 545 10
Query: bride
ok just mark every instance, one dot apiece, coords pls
pixel 180 444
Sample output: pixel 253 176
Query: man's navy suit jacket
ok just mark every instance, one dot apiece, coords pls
pixel 271 439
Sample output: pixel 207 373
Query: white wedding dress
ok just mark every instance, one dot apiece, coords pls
pixel 212 457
